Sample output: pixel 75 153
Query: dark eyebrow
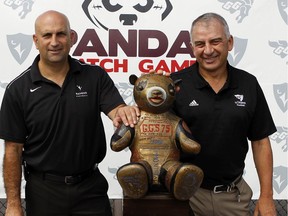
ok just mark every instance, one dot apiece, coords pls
pixel 213 40
pixel 57 33
pixel 217 39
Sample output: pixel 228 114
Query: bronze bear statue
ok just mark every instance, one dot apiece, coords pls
pixel 156 142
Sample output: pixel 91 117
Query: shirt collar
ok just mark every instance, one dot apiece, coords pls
pixel 230 83
pixel 35 72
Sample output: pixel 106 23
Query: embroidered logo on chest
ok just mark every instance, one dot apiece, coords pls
pixel 240 101
pixel 80 92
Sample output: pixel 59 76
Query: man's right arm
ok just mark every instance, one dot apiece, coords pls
pixel 12 174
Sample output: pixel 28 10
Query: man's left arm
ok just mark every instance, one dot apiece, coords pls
pixel 127 115
pixel 263 159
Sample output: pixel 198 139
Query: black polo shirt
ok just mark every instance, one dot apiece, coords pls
pixel 222 122
pixel 61 128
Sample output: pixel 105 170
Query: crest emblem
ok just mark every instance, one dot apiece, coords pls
pixel 237 53
pixel 280 178
pixel 283 9
pixel 20 46
pixel 281 95
pixel 239 97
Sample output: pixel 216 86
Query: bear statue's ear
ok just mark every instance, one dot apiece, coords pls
pixel 132 79
pixel 177 82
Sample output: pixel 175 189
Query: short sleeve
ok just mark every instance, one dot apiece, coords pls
pixel 262 124
pixel 12 124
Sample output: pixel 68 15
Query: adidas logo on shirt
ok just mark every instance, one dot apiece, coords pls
pixel 193 103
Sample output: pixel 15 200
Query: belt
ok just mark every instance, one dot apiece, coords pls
pixel 68 180
pixel 223 187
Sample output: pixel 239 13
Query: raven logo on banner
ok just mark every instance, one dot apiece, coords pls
pixel 127 14
pixel 281 138
pixel 280 47
pixel 242 7
pixel 24 6
pixel 126 91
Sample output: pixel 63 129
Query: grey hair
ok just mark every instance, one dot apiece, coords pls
pixel 208 17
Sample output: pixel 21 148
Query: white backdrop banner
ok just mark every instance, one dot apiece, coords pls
pixel 132 37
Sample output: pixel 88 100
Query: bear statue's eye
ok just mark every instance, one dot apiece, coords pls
pixel 171 89
pixel 141 85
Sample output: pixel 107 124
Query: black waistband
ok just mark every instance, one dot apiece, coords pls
pixel 222 187
pixel 69 179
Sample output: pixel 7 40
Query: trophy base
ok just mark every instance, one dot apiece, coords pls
pixel 156 204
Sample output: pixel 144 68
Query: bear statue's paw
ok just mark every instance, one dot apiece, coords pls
pixel 133 180
pixel 186 181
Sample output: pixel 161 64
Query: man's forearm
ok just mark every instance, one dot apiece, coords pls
pixel 12 174
pixel 263 159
